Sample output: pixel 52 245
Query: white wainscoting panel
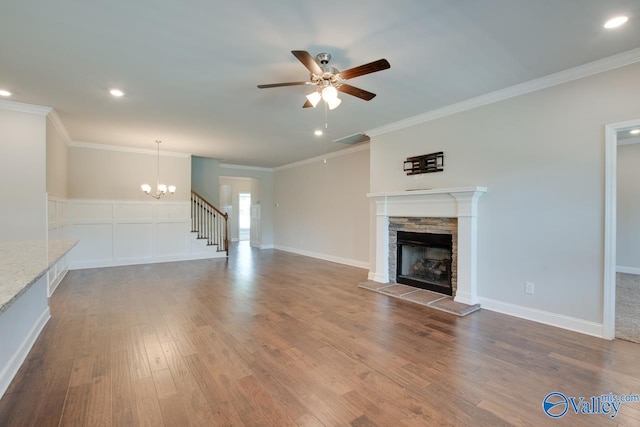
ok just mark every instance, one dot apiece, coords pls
pixel 133 242
pixel 57 225
pixel 57 229
pixel 56 273
pixel 90 210
pixel 95 244
pixel 173 211
pixel 132 211
pixel 113 232
pixel 171 239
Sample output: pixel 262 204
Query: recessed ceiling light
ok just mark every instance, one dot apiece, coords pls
pixel 317 132
pixel 4 92
pixel 634 132
pixel 116 92
pixel 616 22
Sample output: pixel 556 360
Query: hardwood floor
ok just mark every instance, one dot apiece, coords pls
pixel 269 338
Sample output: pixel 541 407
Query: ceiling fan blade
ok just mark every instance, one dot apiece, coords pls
pixel 308 61
pixel 357 92
pixel 372 67
pixel 307 104
pixel 281 84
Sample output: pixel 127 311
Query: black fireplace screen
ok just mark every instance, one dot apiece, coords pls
pixel 424 261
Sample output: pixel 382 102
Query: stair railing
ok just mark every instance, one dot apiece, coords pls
pixel 209 222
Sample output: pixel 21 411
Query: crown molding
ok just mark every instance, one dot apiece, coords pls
pixel 93 146
pixel 242 167
pixel 333 154
pixel 60 127
pixel 616 61
pixel 24 108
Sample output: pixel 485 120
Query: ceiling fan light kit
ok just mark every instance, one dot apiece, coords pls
pixel 329 80
pixel 314 98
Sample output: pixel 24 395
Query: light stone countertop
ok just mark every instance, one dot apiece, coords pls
pixel 22 263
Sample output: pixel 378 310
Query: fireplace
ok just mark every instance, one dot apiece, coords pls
pixel 451 211
pixel 424 261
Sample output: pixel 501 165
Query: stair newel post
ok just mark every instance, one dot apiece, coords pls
pixel 226 240
pixel 216 218
pixel 200 230
pixel 215 228
pixel 218 231
pixel 205 225
pixel 203 215
pixel 209 216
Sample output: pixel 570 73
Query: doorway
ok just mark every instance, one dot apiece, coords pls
pixel 610 227
pixel 236 196
pixel 244 216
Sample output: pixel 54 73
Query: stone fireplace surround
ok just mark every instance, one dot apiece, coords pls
pixel 458 202
pixel 423 225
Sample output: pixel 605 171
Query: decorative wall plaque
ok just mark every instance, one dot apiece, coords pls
pixel 426 163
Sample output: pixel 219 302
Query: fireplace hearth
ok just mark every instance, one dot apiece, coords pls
pixel 424 261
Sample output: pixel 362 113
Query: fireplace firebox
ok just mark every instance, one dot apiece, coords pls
pixel 424 261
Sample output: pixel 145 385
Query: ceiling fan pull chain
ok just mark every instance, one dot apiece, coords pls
pixel 326 116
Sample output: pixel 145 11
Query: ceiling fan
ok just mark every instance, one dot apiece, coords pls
pixel 329 80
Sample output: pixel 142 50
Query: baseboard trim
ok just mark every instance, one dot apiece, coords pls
pixel 377 277
pixel 464 298
pixel 325 257
pixel 82 265
pixel 267 247
pixel 545 317
pixel 628 270
pixel 12 368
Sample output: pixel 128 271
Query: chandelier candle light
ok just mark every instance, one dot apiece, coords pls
pixel 161 189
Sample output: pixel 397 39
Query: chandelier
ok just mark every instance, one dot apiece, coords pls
pixel 161 189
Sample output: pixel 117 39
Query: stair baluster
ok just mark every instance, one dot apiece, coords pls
pixel 209 222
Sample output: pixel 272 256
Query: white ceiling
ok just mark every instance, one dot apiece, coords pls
pixel 190 68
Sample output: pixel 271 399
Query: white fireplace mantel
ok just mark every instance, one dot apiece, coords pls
pixel 458 202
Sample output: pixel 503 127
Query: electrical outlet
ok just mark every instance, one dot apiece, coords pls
pixel 529 288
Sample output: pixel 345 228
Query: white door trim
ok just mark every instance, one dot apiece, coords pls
pixel 609 291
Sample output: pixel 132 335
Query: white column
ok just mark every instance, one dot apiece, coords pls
pixel 467 291
pixel 381 273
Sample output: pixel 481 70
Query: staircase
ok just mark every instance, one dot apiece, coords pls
pixel 209 223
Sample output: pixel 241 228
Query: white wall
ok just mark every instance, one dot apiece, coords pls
pixel 22 174
pixel 323 210
pixel 541 155
pixel 628 209
pixel 57 160
pixel 104 172
pixel 204 178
